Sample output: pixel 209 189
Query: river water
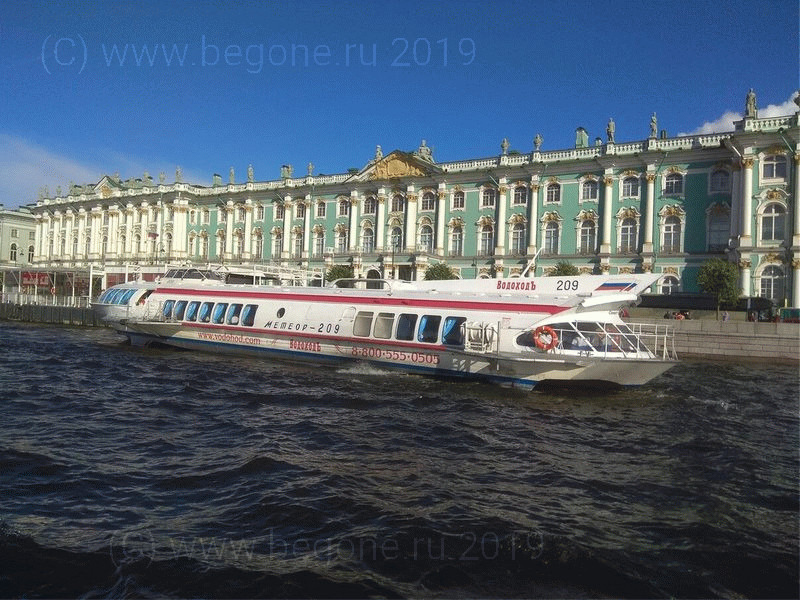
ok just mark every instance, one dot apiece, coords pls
pixel 127 472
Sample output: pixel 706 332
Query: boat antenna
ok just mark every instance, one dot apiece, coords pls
pixel 531 264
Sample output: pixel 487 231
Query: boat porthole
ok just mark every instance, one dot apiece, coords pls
pixel 281 312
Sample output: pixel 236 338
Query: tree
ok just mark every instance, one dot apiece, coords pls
pixel 340 272
pixel 439 271
pixel 719 277
pixel 564 268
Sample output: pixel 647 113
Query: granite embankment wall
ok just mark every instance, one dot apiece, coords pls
pixel 44 313
pixel 738 340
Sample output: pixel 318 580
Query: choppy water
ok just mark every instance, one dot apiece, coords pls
pixel 127 472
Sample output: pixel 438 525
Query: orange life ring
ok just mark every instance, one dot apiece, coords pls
pixel 679 317
pixel 545 330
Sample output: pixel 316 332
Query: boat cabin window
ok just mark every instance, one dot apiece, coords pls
pixel 127 296
pixel 362 323
pixel 383 326
pixel 233 314
pixel 191 310
pixel 205 312
pixel 406 324
pixel 429 328
pixel 249 315
pixel 167 308
pixel 144 297
pixel 452 333
pixel 219 312
pixel 180 309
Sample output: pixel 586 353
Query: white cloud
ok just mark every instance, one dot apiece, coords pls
pixel 26 168
pixel 725 122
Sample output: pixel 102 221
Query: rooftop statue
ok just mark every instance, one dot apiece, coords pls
pixel 750 107
pixel 610 130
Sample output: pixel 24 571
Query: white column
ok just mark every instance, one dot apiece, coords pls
pixel 736 200
pixel 380 217
pixel 441 206
pixel 605 245
pixel 795 207
pixel 70 224
pixel 353 241
pixel 229 241
pixel 500 242
pixel 411 219
pixel 533 220
pixel 649 212
pixel 747 202
pixel 307 241
pixel 287 227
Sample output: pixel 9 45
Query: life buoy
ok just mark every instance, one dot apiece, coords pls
pixel 540 336
pixel 679 317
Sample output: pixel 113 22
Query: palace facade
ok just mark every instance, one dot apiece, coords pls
pixel 662 204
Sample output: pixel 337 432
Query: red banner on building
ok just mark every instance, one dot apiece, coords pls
pixel 37 279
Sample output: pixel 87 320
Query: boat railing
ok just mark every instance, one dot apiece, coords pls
pixel 634 340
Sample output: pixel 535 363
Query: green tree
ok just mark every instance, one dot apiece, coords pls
pixel 439 271
pixel 564 268
pixel 340 272
pixel 719 277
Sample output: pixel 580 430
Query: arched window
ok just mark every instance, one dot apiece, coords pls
pixel 258 241
pixel 630 187
pixel 279 212
pixel 397 203
pixel 720 181
pixel 320 209
pixel 168 244
pixel 773 167
pixel 589 190
pixel 488 197
pixel 773 223
pixel 12 255
pixel 458 200
pixel 396 239
pixel 368 240
pixel 341 242
pixel 673 184
pixel 30 254
pixel 222 244
pixel 370 206
pixel 344 208
pixel 319 244
pixel 520 195
pixel 672 235
pixel 300 210
pixel 518 239
pixel 486 241
pixel 588 236
pixel 719 224
pixel 277 245
pixel 551 238
pixel 298 245
pixel 428 201
pixel 670 285
pixel 426 238
pixel 553 193
pixel 457 241
pixel 627 236
pixel 772 283
pixel 204 247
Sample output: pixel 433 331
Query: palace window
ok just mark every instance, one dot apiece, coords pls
pixel 206 216
pixel 630 187
pixel 458 200
pixel 551 232
pixel 370 206
pixel 277 244
pixel 673 184
pixel 588 236
pixel 280 212
pixel 259 213
pixel 773 223
pixel 398 204
pixel 720 181
pixel 320 209
pixel 553 193
pixel 192 217
pixel 627 236
pixel 520 195
pixel 670 285
pixel 221 245
pixel 486 241
pixel 589 190
pixel 344 208
pixel 222 215
pixel 772 283
pixel 258 240
pixel 518 241
pixel 12 255
pixel 341 242
pixel 457 241
pixel 672 235
pixel 488 198
pixel 426 238
pixel 368 240
pixel 773 167
pixel 203 247
pixel 298 245
pixel 718 232
pixel 300 211
pixel 319 244
pixel 396 239
pixel 30 254
pixel 239 246
pixel 428 201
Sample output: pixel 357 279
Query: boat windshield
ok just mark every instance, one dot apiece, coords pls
pixel 587 336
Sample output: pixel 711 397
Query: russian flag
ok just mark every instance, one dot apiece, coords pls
pixel 615 286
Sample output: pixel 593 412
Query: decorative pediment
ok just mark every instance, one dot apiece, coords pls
pixel 718 210
pixel 398 164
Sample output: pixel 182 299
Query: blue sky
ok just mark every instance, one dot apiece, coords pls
pixel 129 87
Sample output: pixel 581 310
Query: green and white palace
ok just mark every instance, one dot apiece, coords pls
pixel 661 204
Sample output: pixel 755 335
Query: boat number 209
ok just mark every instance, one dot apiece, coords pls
pixel 567 285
